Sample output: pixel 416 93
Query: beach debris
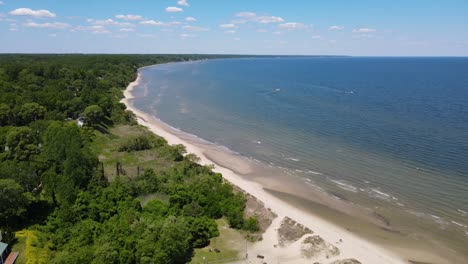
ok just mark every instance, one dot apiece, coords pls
pixel 260 256
pixel 346 261
pixel 315 246
pixel 290 231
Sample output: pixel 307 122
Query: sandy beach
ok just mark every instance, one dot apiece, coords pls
pixel 328 235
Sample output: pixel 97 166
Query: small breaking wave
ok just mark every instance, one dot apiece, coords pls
pixel 345 186
pixel 459 224
pixel 462 213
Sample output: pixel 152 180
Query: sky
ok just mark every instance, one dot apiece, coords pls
pixel 278 27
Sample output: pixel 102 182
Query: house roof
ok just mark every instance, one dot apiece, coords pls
pixel 3 247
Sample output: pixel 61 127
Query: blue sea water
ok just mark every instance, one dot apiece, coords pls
pixel 377 130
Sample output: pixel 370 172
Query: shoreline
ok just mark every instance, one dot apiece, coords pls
pixel 351 246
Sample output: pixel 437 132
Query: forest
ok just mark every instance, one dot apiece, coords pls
pixel 53 181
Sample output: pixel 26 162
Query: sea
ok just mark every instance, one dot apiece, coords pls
pixel 387 134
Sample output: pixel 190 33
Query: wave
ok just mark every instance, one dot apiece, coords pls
pixel 463 213
pixel 345 186
pixel 459 224
pixel 314 172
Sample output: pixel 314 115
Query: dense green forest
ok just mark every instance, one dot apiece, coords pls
pixel 53 182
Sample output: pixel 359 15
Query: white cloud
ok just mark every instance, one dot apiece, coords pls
pixel 99 29
pixel 262 30
pixel 195 28
pixel 159 23
pixel 239 21
pixel 317 37
pixel 1 3
pixel 227 26
pixel 337 28
pixel 42 13
pixel 152 23
pixel 269 19
pixel 56 25
pixel 230 31
pixel 190 19
pixel 109 22
pixel 129 17
pixel 103 22
pixel 364 30
pixel 292 26
pixel 127 30
pixel 246 14
pixel 184 36
pixel 183 3
pixel 173 9
pixel 252 17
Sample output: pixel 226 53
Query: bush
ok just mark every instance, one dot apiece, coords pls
pixel 142 142
pixel 251 224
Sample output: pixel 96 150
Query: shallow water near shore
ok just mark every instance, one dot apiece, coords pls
pixel 382 140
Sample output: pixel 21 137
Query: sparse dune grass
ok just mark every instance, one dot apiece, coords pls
pixel 107 145
pixel 230 242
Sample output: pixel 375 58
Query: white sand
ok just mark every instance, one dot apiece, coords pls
pixel 351 247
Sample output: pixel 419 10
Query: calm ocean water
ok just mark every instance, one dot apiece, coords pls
pixel 382 132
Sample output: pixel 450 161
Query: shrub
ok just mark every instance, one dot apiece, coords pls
pixel 251 224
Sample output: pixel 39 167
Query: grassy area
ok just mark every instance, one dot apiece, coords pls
pixel 27 245
pixel 145 199
pixel 230 242
pixel 107 146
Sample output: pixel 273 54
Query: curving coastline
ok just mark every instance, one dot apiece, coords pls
pixel 350 245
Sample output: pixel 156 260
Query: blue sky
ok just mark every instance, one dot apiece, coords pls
pixel 306 27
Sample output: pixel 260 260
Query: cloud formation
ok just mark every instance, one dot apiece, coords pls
pixel 127 30
pixel 183 3
pixel 42 13
pixel 292 26
pixel 173 9
pixel 244 17
pixel 246 14
pixel 336 28
pixel 195 28
pixel 227 26
pixel 55 25
pixel 129 17
pixel 152 23
pixel 269 19
pixel 364 30
pixel 190 19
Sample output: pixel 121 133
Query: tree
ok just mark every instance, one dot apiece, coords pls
pixel 93 115
pixel 174 242
pixel 5 115
pixel 20 143
pixel 202 229
pixel 31 112
pixel 13 202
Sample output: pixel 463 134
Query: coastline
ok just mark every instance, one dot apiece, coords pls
pixel 351 246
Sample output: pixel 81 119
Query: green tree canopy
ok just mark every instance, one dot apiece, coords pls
pixel 12 202
pixel 93 115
